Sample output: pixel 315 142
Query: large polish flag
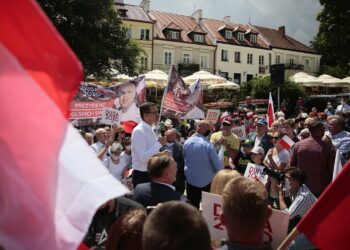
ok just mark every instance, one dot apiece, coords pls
pixel 51 182
pixel 270 112
pixel 327 222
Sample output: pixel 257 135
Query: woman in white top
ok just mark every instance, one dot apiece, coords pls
pixel 277 157
pixel 117 160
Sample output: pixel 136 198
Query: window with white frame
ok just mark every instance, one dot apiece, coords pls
pixel 224 55
pixel 307 62
pixel 291 61
pixel 173 34
pixel 144 63
pixel 240 36
pixel 238 57
pixel 278 59
pixel 168 57
pixel 128 33
pixel 253 38
pixel 228 34
pixel 261 60
pixel 186 58
pixel 249 58
pixel 144 34
pixel 204 61
pixel 224 74
pixel 198 38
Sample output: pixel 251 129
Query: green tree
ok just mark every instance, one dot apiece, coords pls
pixel 262 86
pixel 94 32
pixel 333 37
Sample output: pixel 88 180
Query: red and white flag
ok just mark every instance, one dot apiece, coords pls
pixel 286 142
pixel 178 99
pixel 327 222
pixel 51 182
pixel 270 112
pixel 224 115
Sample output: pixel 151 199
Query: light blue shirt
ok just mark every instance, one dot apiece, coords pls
pixel 201 160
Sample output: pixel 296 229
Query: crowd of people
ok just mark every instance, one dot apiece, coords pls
pixel 169 164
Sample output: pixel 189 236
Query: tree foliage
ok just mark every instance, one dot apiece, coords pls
pixel 333 37
pixel 94 32
pixel 262 86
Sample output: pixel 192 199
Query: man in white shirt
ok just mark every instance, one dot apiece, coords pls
pixel 344 107
pixel 144 142
pixel 101 147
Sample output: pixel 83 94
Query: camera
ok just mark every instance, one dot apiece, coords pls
pixel 278 175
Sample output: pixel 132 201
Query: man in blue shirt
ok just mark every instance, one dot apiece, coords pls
pixel 201 163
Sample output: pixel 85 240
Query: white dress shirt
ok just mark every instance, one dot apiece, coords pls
pixel 144 144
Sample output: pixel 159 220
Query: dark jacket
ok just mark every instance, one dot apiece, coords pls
pixel 179 158
pixel 266 142
pixel 152 193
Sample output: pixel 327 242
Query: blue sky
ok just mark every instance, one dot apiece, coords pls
pixel 299 16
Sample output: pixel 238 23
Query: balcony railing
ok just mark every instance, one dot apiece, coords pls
pixel 294 66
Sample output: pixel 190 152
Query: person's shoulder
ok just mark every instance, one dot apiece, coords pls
pixel 128 203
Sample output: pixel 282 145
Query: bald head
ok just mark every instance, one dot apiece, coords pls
pixel 170 135
pixel 203 127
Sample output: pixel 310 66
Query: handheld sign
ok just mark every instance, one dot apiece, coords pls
pixel 212 115
pixel 275 230
pixel 256 172
pixel 240 132
pixel 110 116
pixel 211 210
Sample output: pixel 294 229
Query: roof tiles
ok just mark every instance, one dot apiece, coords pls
pixel 134 13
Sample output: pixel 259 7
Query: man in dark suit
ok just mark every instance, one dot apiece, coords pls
pixel 175 148
pixel 162 170
pixel 261 138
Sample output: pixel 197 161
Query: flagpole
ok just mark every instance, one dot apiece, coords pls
pixel 290 237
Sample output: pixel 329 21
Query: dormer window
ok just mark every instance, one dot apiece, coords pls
pixel 198 38
pixel 228 34
pixel 240 36
pixel 252 38
pixel 173 34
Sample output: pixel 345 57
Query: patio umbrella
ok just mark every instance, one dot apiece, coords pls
pixel 306 80
pixel 330 81
pixel 156 78
pixel 206 78
pixel 346 79
pixel 226 85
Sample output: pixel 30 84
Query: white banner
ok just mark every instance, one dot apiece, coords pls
pixel 111 116
pixel 213 115
pixel 240 132
pixel 275 230
pixel 256 172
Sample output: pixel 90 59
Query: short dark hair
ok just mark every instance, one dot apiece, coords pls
pixel 176 225
pixel 157 164
pixel 297 174
pixel 146 108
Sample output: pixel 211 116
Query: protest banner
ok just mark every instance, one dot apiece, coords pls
pixel 178 99
pixel 212 115
pixel 240 132
pixel 275 230
pixel 110 116
pixel 256 172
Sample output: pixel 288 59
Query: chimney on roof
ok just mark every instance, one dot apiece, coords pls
pixel 282 31
pixel 119 1
pixel 197 15
pixel 227 19
pixel 146 5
